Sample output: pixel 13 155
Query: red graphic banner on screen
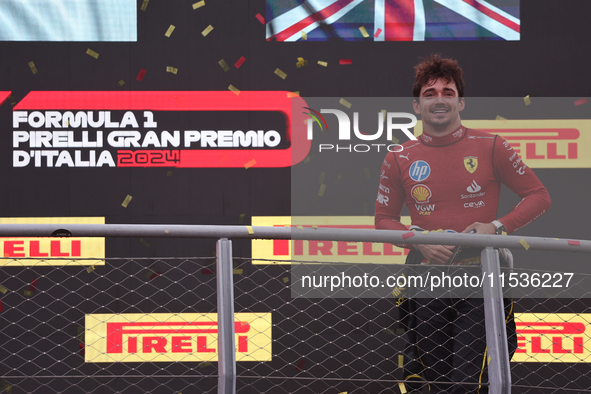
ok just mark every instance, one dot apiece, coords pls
pixel 44 121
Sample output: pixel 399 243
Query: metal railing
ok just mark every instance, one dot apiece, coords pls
pixel 498 365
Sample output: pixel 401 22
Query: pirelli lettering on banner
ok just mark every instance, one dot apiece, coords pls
pixel 560 337
pixel 544 143
pixel 282 251
pixel 183 337
pixel 169 337
pixel 23 251
pixel 32 248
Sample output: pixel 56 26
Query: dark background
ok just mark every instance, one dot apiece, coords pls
pixel 550 60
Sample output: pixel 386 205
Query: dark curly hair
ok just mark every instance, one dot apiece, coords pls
pixel 433 68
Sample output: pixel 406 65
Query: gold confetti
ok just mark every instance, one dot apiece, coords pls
pixel 237 271
pixel 389 331
pixel 280 73
pixel 121 83
pixel 488 360
pixel 322 189
pixel 250 230
pixel 304 35
pixel 322 176
pixel 499 117
pixel 315 227
pixel 151 273
pixel 33 68
pixel 524 243
pixel 170 69
pixel 169 31
pixel 526 100
pixel 307 160
pixel 234 89
pixel 207 30
pixel 250 164
pixel 144 242
pixel 7 387
pixel 402 388
pixel 345 103
pixel 425 232
pixel 323 64
pixel 395 140
pixel 28 293
pixel 504 233
pixel 199 4
pixel 400 360
pixel 90 269
pixel 224 65
pixel 80 333
pixel 301 62
pixel 144 5
pixel 285 280
pixel 125 202
pixel 92 53
pixel 300 227
pixel 344 392
pixel 223 159
pixel 293 94
pixel 3 289
pixel 241 218
pixel 366 172
pixel 169 173
pixel 203 365
pixel 363 32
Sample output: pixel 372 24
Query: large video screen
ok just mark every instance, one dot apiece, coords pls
pixel 68 20
pixel 393 20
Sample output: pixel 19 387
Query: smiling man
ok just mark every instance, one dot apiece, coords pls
pixel 451 179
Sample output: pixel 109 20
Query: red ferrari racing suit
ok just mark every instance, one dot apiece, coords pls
pixel 450 182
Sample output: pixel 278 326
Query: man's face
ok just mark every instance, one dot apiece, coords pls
pixel 439 104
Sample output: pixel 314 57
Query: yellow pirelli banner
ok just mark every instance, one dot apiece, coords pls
pixel 26 251
pixel 553 337
pixel 168 337
pixel 546 143
pixel 280 251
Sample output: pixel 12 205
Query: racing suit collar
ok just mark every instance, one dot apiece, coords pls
pixel 449 139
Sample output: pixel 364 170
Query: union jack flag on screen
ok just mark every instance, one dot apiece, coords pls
pixel 392 20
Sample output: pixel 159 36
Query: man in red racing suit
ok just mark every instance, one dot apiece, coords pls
pixel 451 179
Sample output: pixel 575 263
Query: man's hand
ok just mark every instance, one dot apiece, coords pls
pixel 481 228
pixel 436 254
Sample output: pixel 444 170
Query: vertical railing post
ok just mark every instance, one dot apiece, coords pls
pixel 225 294
pixel 499 369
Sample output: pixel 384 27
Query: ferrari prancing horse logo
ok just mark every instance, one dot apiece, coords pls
pixel 471 163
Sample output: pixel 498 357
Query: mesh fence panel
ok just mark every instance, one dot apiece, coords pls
pixel 343 345
pixel 319 345
pixel 43 335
